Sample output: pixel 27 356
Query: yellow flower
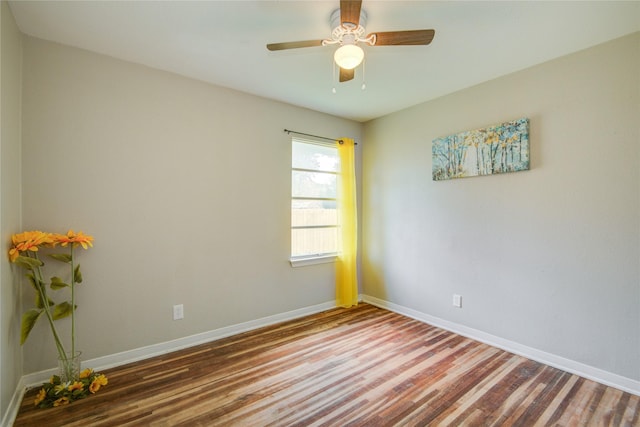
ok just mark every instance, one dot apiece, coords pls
pixel 73 238
pixel 28 241
pixel 61 401
pixel 76 386
pixel 40 397
pixel 102 379
pixel 86 373
pixel 51 380
pixel 13 254
pixel 98 381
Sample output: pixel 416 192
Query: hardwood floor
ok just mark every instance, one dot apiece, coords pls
pixel 362 366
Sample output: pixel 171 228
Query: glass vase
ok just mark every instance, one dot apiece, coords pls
pixel 69 367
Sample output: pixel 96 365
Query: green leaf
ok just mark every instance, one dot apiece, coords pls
pixel 29 319
pixel 62 310
pixel 32 280
pixel 39 303
pixel 28 262
pixel 77 275
pixel 61 257
pixel 57 283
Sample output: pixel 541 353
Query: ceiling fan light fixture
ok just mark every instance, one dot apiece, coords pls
pixel 348 56
pixel 348 30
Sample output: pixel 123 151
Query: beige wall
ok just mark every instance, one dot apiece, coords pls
pixel 185 186
pixel 547 258
pixel 10 69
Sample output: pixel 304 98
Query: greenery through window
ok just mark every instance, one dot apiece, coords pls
pixel 314 216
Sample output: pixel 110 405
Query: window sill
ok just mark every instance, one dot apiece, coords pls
pixel 302 262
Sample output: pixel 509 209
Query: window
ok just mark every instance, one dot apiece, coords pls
pixel 314 216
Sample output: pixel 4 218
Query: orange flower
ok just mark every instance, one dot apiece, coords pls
pixel 28 241
pixel 73 238
pixel 76 386
pixel 98 381
pixel 61 401
pixel 86 373
pixel 40 397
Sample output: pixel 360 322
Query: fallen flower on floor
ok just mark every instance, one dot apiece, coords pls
pixel 56 393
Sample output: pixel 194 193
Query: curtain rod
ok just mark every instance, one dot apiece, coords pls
pixel 316 136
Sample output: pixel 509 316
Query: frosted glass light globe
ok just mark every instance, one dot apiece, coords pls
pixel 348 56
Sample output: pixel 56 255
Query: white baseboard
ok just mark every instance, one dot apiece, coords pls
pixel 113 360
pixel 14 405
pixel 604 377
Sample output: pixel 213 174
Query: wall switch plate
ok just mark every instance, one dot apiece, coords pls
pixel 178 312
pixel 457 300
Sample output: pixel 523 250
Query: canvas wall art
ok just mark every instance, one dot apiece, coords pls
pixel 495 149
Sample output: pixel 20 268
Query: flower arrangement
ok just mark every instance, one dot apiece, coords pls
pixel 71 384
pixel 57 393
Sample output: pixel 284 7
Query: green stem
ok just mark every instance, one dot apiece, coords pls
pixel 73 304
pixel 45 301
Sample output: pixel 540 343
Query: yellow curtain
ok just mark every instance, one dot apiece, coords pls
pixel 346 273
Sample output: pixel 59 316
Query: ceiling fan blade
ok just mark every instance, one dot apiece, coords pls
pixel 346 75
pixel 294 45
pixel 410 37
pixel 350 13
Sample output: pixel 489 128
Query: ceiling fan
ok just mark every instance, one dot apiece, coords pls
pixel 348 24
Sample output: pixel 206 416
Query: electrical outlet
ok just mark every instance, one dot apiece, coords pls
pixel 457 300
pixel 178 312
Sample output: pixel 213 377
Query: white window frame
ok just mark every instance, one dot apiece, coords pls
pixel 322 258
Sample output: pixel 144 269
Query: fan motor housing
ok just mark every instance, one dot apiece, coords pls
pixel 337 27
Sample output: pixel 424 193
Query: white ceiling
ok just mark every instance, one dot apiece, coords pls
pixel 223 42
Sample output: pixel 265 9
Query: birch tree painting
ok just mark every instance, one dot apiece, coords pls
pixel 496 149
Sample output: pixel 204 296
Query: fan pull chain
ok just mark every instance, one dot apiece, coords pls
pixel 364 86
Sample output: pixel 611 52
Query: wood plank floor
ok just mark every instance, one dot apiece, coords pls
pixel 362 366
